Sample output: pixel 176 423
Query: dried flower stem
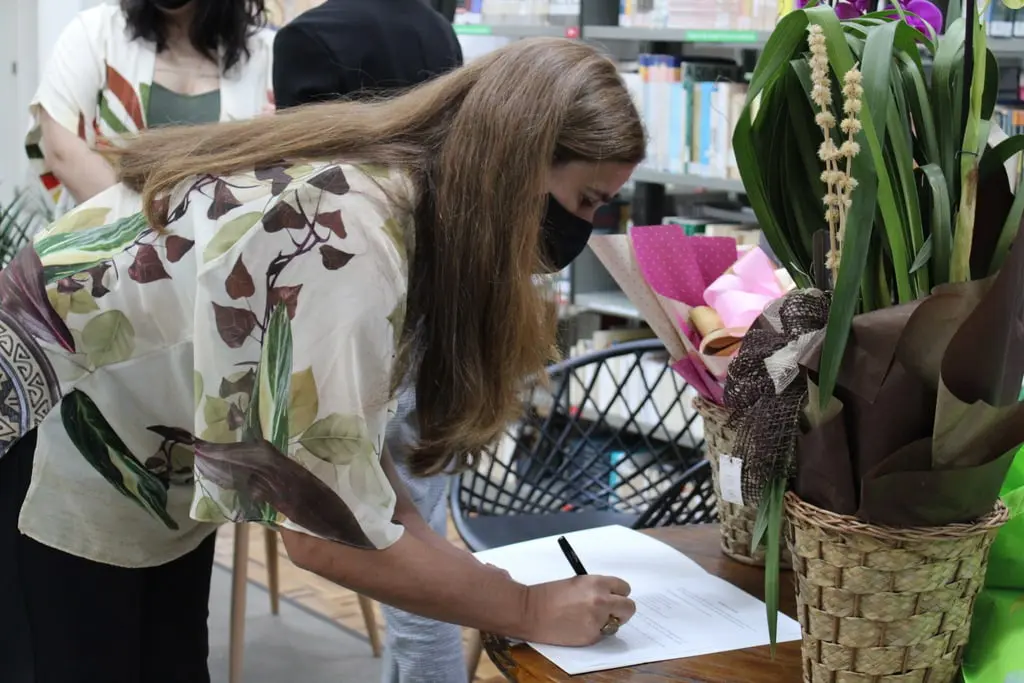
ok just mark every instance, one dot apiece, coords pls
pixel 839 183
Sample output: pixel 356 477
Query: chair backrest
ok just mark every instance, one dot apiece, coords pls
pixel 611 430
pixel 690 500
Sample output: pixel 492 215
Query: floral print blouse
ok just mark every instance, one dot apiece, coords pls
pixel 232 367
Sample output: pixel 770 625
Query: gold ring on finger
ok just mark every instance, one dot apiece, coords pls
pixel 611 627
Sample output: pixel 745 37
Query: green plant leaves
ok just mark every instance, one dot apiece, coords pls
pixel 303 402
pixel 80 219
pixel 102 448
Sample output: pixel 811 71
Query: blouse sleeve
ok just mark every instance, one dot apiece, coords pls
pixel 295 326
pixel 73 77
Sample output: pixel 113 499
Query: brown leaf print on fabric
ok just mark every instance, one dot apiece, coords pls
pixel 224 201
pixel 97 273
pixel 23 297
pixel 284 216
pixel 270 478
pixel 289 296
pixel 332 179
pixel 334 221
pixel 177 247
pixel 147 266
pixel 69 285
pixel 333 258
pixel 239 284
pixel 279 180
pixel 243 385
pixel 234 324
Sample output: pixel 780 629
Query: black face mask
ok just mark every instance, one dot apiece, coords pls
pixel 169 5
pixel 563 235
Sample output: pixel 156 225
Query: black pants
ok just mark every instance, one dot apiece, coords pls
pixel 68 620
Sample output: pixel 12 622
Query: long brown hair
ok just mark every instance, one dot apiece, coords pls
pixel 479 143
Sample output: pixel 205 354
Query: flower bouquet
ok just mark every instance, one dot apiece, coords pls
pixel 700 295
pixel 877 404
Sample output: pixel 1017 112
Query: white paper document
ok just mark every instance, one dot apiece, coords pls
pixel 682 610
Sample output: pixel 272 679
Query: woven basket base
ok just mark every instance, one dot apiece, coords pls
pixel 880 605
pixel 736 521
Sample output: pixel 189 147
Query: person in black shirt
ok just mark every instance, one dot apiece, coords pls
pixel 358 48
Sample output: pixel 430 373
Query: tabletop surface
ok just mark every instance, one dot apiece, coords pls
pixel 700 542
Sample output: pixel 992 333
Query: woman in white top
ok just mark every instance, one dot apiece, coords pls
pixel 217 339
pixel 118 69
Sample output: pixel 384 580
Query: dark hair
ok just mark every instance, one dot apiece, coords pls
pixel 216 25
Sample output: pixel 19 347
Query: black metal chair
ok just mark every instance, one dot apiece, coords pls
pixel 612 439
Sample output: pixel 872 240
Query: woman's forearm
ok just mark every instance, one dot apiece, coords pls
pixel 81 170
pixel 420 577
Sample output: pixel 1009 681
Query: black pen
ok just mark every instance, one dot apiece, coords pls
pixel 570 555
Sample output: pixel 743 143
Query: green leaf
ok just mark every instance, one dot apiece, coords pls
pixel 947 76
pixel 110 118
pixel 80 219
pixel 108 338
pixel 940 223
pixel 217 415
pixel 999 155
pixel 197 388
pixel 207 510
pixel 1008 233
pixel 303 402
pixel 275 378
pixel 773 557
pixel 923 256
pixel 396 232
pixel 229 234
pixel 102 448
pixel 83 248
pixel 81 302
pixel 338 439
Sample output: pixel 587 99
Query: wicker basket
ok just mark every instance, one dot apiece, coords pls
pixel 884 605
pixel 736 521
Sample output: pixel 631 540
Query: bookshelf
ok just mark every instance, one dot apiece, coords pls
pixel 686 181
pixel 718 38
pixel 516 30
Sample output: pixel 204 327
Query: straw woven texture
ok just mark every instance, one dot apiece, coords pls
pixel 736 521
pixel 883 605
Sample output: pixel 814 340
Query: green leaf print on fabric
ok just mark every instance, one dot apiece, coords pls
pixel 275 378
pixel 229 234
pixel 110 118
pixel 338 439
pixel 81 219
pixel 174 458
pixel 395 231
pixel 397 320
pixel 66 254
pixel 102 448
pixel 24 298
pixel 303 402
pixel 197 388
pixel 276 482
pixel 108 338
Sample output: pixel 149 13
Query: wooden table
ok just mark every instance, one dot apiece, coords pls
pixel 522 664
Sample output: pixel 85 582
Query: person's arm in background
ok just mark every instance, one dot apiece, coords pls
pixel 72 81
pixel 303 68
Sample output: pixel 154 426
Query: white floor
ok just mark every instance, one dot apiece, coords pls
pixel 295 646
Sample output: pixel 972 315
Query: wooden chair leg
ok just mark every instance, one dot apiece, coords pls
pixel 370 619
pixel 473 655
pixel 239 577
pixel 273 586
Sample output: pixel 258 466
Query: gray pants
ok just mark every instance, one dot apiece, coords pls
pixel 416 649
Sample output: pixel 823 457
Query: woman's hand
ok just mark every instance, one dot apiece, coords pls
pixel 572 611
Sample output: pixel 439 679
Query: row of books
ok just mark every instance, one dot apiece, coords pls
pixel 690 108
pixel 526 12
pixel 740 15
pixel 1009 117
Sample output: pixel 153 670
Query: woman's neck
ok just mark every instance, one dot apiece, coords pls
pixel 178 25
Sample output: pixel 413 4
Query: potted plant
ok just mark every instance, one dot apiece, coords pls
pixel 877 404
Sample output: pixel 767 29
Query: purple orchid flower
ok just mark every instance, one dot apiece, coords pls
pixel 924 15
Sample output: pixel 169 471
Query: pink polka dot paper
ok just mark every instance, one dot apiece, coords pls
pixel 678 266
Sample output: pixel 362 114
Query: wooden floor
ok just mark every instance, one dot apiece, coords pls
pixel 312 592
